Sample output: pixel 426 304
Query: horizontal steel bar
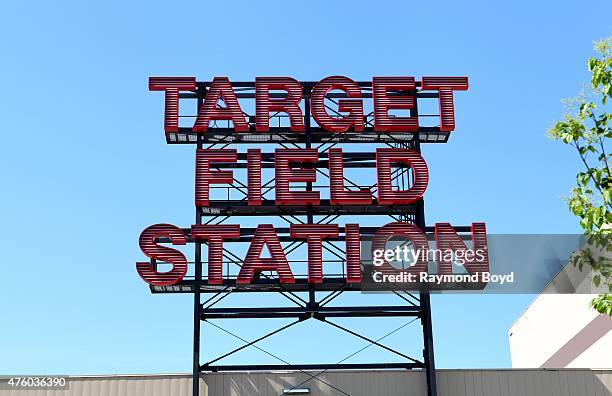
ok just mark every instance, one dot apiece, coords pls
pixel 262 285
pixel 286 315
pixel 283 134
pixel 322 366
pixel 303 312
pixel 301 285
pixel 324 310
pixel 269 208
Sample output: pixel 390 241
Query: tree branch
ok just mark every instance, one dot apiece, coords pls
pixel 588 168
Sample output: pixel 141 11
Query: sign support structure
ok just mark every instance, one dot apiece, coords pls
pixel 308 299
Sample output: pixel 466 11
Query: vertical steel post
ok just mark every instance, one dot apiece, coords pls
pixel 428 351
pixel 425 303
pixel 308 144
pixel 312 300
pixel 198 281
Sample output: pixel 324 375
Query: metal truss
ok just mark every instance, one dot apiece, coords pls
pixel 305 298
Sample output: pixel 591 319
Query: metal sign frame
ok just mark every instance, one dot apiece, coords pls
pixel 305 297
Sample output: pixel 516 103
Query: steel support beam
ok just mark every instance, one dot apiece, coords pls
pixel 198 281
pixel 304 312
pixel 220 137
pixel 287 367
pixel 428 347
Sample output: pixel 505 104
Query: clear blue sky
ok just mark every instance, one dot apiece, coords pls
pixel 84 166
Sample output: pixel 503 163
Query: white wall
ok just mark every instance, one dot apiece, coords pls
pixel 552 325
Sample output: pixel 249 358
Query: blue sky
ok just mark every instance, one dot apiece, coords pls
pixel 85 168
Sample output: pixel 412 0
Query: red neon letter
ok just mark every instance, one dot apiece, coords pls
pixel 285 174
pixel 445 87
pixel 420 176
pixel 205 177
pixel 314 234
pixel 383 102
pixel 254 177
pixel 172 86
pixel 412 233
pixel 153 250
pixel 220 88
pixel 215 234
pixel 338 194
pixel 353 106
pixel 353 253
pixel 447 239
pixel 254 264
pixel 290 105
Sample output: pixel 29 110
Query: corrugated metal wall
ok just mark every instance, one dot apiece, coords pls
pixel 364 383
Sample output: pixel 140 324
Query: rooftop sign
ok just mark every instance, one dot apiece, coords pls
pixel 392 113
